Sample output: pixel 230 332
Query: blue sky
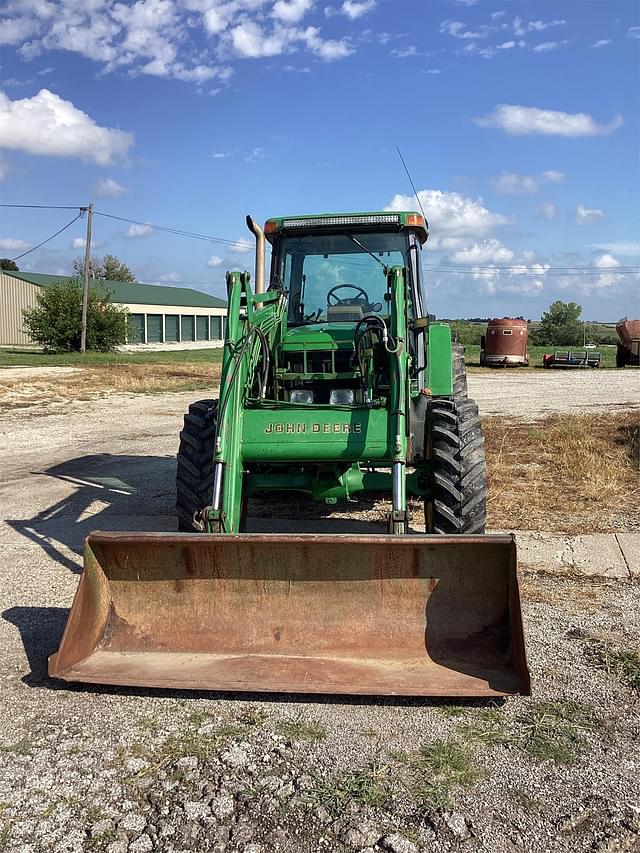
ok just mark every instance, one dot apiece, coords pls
pixel 518 120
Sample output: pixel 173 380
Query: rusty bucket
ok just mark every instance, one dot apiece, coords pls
pixel 414 615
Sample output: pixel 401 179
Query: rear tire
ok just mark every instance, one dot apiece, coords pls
pixel 458 504
pixel 459 372
pixel 194 478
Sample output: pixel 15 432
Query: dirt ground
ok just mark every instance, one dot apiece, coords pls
pixel 132 770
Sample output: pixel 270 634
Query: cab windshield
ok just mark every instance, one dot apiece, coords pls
pixel 330 277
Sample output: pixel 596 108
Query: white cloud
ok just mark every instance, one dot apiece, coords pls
pixel 527 280
pixel 180 39
pixel 459 30
pixel 10 244
pixel 488 252
pixel 214 261
pixel 405 52
pixel 329 49
pixel 256 154
pixel 608 264
pixel 221 155
pixel 5 169
pixel 587 216
pixel 109 188
pixel 451 216
pixel 519 121
pixel 242 245
pixel 291 11
pixel 495 16
pixel 633 33
pixel 171 277
pixel 510 183
pixel 292 69
pixel 138 230
pixel 433 71
pixel 601 43
pixel 78 243
pixel 548 46
pixel 539 26
pixel 46 125
pixel 355 9
pixel 547 210
pixel 629 247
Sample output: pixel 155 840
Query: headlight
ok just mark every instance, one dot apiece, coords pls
pixel 342 397
pixel 301 397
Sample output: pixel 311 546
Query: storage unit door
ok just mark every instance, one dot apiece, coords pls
pixel 135 328
pixel 202 328
pixel 171 327
pixel 188 328
pixel 154 328
pixel 216 328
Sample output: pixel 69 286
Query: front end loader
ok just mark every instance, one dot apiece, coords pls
pixel 335 382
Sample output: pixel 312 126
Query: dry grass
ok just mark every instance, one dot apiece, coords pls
pixel 570 473
pixel 86 383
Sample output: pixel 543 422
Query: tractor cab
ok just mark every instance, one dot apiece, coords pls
pixel 335 271
pixel 334 267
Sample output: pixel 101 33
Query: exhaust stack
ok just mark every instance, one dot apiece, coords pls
pixel 255 229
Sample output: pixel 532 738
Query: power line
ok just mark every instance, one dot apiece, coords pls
pixel 180 232
pixel 44 206
pixel 443 267
pixel 64 228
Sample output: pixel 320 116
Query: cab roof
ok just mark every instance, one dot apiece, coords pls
pixel 377 219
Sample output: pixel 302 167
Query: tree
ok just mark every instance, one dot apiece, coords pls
pixel 56 321
pixel 95 268
pixel 6 264
pixel 560 325
pixel 107 269
pixel 115 270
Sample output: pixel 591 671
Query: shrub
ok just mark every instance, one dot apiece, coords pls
pixel 56 321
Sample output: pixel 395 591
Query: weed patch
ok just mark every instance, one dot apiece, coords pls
pixel 301 729
pixel 621 664
pixel 554 731
pixel 439 768
pixel 370 786
pixel 24 746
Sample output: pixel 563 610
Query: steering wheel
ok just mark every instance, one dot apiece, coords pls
pixel 360 291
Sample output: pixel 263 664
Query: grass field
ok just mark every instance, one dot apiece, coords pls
pixel 569 473
pixel 37 358
pixel 472 356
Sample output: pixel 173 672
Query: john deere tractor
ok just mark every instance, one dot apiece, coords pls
pixel 335 382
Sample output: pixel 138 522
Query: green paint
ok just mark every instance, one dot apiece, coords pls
pixel 439 360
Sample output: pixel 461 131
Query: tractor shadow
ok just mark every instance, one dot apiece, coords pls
pixel 103 492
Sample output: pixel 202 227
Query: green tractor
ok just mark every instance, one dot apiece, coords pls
pixel 335 381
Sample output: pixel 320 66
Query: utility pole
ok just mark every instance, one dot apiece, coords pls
pixel 85 278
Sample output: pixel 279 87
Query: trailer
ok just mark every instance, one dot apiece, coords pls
pixel 569 358
pixel 628 352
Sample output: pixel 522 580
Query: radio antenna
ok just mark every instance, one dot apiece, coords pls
pixel 413 186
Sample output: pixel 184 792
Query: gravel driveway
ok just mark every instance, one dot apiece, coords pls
pixel 130 770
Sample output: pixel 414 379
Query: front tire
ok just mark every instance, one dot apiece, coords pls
pixel 194 478
pixel 458 503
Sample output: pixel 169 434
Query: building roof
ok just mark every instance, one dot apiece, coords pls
pixel 132 294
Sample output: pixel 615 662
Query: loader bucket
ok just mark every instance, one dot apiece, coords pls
pixel 413 615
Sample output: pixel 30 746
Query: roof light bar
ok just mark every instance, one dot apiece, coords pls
pixel 316 221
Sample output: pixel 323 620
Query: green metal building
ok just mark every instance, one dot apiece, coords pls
pixel 157 314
